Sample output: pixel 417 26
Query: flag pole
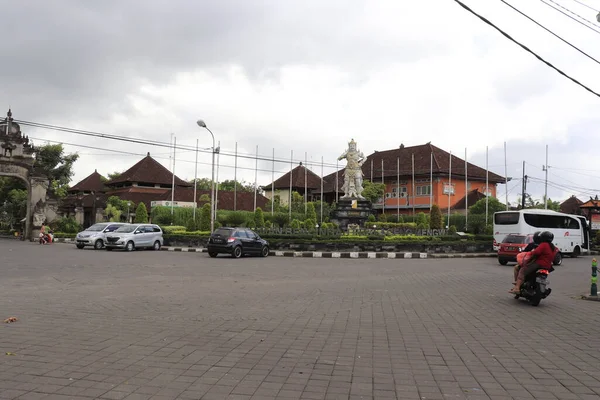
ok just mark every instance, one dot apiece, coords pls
pixel 196 182
pixel 430 181
pixel 505 177
pixel 255 177
pixel 321 191
pixel 305 182
pixel 413 184
pixel 173 178
pixel 383 183
pixel 217 178
pixel 273 184
pixel 290 197
pixel 466 193
pixel 398 189
pixel 235 179
pixel 449 187
pixel 487 185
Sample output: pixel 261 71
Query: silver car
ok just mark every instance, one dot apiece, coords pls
pixel 135 236
pixel 95 235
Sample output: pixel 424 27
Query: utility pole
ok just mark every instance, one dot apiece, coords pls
pixel 545 169
pixel 524 188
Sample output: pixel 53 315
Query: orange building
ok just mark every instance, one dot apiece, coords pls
pixel 432 184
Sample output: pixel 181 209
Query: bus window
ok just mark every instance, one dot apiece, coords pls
pixel 506 218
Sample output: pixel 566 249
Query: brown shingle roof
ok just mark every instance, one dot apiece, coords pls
pixel 313 180
pixel 441 161
pixel 148 170
pixel 571 206
pixel 245 200
pixel 471 198
pixel 93 183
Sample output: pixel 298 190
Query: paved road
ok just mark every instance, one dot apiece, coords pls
pixel 161 325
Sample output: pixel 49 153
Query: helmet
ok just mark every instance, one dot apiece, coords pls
pixel 536 237
pixel 547 237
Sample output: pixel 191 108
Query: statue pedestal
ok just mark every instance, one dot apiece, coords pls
pixel 344 214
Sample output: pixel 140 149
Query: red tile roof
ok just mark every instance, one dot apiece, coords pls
pixel 422 153
pixel 313 181
pixel 148 170
pixel 93 183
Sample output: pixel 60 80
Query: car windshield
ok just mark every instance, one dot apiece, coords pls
pixel 514 239
pixel 126 228
pixel 96 227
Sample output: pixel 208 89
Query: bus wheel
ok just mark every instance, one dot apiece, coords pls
pixel 576 252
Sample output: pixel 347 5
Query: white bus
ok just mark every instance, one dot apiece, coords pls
pixel 571 233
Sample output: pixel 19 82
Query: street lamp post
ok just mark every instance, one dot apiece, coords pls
pixel 202 124
pixel 128 205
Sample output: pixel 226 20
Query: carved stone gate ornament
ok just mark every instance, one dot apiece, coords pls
pixel 17 160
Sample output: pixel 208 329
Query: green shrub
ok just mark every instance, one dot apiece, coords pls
pixel 382 217
pixel 435 218
pixel 67 225
pixel 371 218
pixel 452 230
pixel 141 214
pixel 295 224
pixel 175 228
pixel 422 221
pixel 205 217
pixel 259 218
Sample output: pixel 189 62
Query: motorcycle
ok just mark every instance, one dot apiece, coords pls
pixel 535 287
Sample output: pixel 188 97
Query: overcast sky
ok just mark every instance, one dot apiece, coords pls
pixel 307 76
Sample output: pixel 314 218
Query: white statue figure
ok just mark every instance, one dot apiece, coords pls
pixel 353 174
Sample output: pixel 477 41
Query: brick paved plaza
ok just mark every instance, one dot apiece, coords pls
pixel 163 325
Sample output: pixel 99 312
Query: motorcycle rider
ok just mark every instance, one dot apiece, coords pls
pixel 524 257
pixel 543 258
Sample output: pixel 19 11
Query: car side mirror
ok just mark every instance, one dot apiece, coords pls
pixel 136 232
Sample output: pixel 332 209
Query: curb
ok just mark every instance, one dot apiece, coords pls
pixel 341 254
pixel 591 298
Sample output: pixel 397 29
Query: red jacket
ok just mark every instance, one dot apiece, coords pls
pixel 544 255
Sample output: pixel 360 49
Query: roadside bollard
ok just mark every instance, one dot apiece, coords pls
pixel 594 289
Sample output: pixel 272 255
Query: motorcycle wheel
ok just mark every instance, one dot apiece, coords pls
pixel 537 297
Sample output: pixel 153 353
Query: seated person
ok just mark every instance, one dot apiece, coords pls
pixel 524 256
pixel 543 257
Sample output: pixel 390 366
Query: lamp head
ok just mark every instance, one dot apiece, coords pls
pixel 201 123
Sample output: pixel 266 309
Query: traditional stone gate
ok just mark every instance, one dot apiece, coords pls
pixel 17 160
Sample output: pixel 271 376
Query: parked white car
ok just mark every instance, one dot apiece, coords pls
pixel 95 235
pixel 135 236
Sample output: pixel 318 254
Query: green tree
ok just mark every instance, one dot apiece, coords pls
pixel 494 205
pixel 259 218
pixel 435 218
pixel 141 214
pixel 204 197
pixel 421 220
pixel 311 213
pixel 52 161
pixel 13 207
pixel 112 213
pixel 113 175
pixel 297 202
pixel 230 185
pixel 373 191
pixel 205 218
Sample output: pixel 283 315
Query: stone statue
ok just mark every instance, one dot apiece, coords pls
pixel 353 174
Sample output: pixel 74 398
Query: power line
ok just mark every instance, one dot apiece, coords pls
pixel 158 158
pixel 552 33
pixel 526 48
pixel 585 5
pixel 574 19
pixel 165 144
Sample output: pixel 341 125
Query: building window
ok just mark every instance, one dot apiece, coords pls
pixel 449 188
pixel 424 190
pixel 403 191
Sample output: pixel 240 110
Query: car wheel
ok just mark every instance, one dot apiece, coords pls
pixel 264 251
pixel 129 246
pixel 558 259
pixel 237 252
pixel 156 245
pixel 99 244
pixel 80 246
pixel 212 254
pixel 502 261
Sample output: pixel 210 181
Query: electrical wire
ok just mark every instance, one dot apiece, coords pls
pixel 159 158
pixel 549 31
pixel 585 5
pixel 463 5
pixel 167 145
pixel 574 19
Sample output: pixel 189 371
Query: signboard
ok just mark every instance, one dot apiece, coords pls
pixel 183 204
pixel 595 222
pixel 448 188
